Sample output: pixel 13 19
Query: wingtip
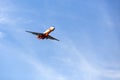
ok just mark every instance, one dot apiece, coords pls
pixel 27 31
pixel 58 40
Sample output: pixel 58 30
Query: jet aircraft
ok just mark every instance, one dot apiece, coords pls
pixel 44 35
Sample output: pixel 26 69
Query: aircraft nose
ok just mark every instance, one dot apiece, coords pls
pixel 52 28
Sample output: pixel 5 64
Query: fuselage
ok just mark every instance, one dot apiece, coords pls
pixel 41 36
pixel 46 33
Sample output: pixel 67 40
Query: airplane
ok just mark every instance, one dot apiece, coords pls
pixel 45 35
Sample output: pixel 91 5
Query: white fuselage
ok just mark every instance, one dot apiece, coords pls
pixel 49 30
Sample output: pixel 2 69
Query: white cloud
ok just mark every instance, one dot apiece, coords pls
pixel 7 9
pixel 39 68
pixel 4 20
pixel 1 35
pixel 47 72
pixel 105 15
pixel 82 65
pixel 74 59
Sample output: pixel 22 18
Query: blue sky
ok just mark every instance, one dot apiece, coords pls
pixel 89 33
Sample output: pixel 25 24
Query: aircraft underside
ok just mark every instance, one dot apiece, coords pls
pixel 41 36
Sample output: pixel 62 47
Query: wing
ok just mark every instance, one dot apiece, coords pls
pixel 35 33
pixel 52 38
